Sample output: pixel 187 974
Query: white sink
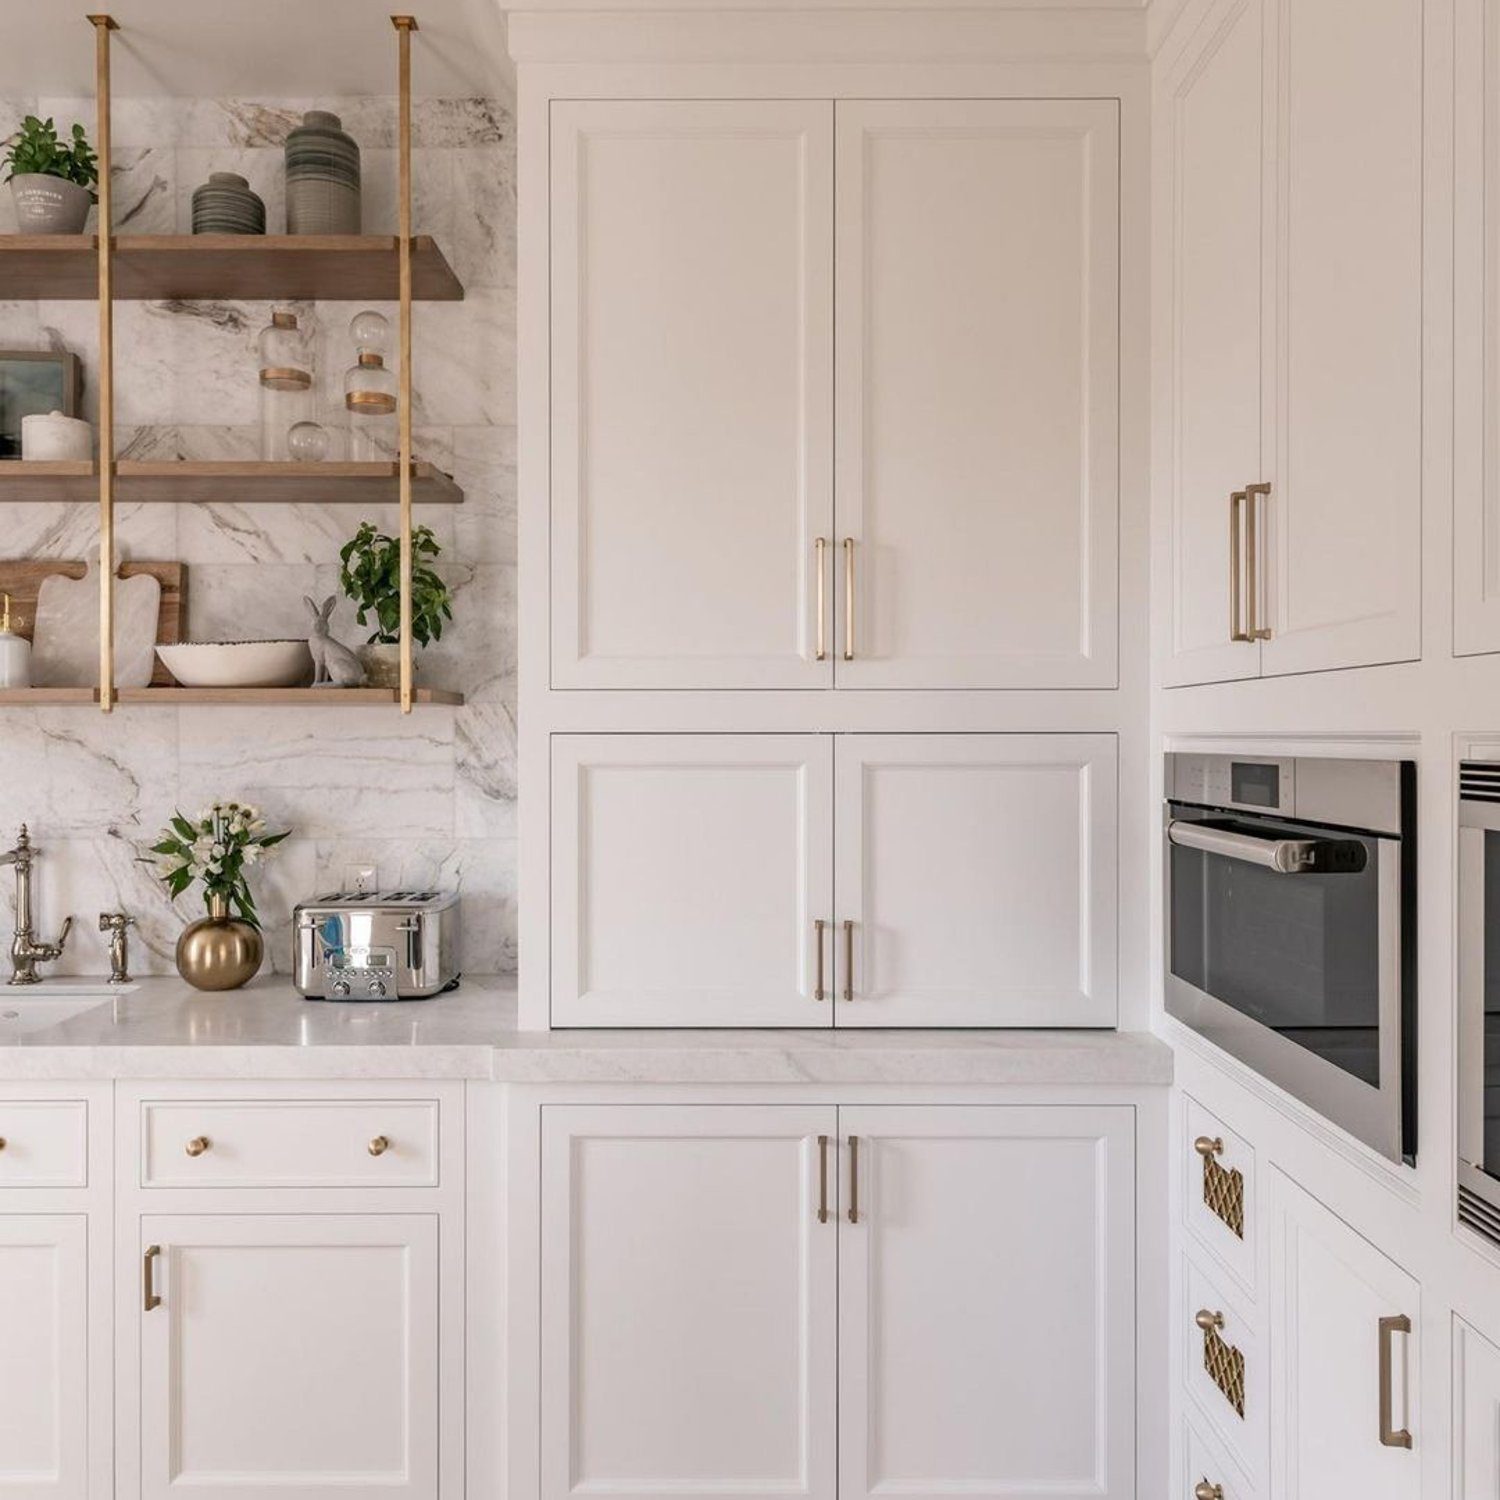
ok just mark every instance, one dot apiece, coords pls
pixel 28 1008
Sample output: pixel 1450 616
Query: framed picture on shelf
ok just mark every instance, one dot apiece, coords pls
pixel 32 381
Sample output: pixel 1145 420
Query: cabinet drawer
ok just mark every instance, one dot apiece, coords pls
pixel 1219 1190
pixel 46 1143
pixel 289 1143
pixel 1207 1474
pixel 1224 1368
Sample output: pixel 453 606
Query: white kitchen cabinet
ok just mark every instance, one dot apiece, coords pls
pixel 1345 1340
pixel 288 1355
pixel 977 338
pixel 1476 1415
pixel 975 880
pixel 689 1311
pixel 692 392
pixel 1264 286
pixel 688 875
pixel 44 1356
pixel 987 1303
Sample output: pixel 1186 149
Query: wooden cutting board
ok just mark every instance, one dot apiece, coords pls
pixel 22 580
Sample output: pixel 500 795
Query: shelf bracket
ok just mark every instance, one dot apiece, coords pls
pixel 103 25
pixel 405 25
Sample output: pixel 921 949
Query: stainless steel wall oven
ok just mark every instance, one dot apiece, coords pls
pixel 1291 928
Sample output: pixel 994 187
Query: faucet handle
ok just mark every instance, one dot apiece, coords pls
pixel 115 921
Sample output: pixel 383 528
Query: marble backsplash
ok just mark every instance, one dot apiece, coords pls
pixel 428 799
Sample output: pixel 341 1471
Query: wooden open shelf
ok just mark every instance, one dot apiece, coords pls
pixel 190 482
pixel 239 267
pixel 172 697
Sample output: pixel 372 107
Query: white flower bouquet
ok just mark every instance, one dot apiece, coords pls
pixel 218 848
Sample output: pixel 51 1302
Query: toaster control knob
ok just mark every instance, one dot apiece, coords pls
pixel 377 989
pixel 341 988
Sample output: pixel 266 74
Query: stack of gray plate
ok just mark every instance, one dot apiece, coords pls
pixel 226 205
pixel 322 177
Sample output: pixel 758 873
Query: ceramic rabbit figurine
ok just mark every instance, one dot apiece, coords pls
pixel 334 665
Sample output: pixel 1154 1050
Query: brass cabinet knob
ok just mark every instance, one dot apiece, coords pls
pixel 1209 1145
pixel 1206 1319
pixel 1203 1490
pixel 2 1143
pixel 198 1145
pixel 379 1146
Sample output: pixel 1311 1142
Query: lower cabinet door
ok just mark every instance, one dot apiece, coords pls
pixel 289 1356
pixel 1476 1415
pixel 987 1302
pixel 1344 1348
pixel 689 1301
pixel 44 1356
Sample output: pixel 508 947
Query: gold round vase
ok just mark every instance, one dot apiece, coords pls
pixel 219 952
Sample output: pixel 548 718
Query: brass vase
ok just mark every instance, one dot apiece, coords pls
pixel 219 952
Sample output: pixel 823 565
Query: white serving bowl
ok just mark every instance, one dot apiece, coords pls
pixel 238 663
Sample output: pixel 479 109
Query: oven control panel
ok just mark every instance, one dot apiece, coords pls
pixel 1244 783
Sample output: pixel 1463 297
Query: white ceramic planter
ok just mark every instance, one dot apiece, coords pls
pixel 49 205
pixel 52 436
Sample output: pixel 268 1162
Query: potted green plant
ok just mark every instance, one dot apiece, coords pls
pixel 51 180
pixel 218 848
pixel 370 575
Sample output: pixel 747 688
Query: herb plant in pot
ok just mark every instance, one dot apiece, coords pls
pixel 51 180
pixel 222 950
pixel 370 575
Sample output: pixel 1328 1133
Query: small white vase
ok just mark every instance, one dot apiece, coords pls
pixel 50 436
pixel 49 205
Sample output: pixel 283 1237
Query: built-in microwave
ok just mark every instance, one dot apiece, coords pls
pixel 1291 928
pixel 1479 996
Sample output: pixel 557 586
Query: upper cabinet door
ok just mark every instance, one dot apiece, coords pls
pixel 1212 190
pixel 978 393
pixel 690 874
pixel 975 880
pixel 1342 523
pixel 692 390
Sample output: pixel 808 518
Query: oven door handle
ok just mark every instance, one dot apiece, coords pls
pixel 1283 856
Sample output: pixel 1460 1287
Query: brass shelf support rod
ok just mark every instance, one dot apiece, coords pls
pixel 405 25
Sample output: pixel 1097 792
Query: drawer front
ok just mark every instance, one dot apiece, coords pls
pixel 1224 1368
pixel 1207 1474
pixel 1219 1190
pixel 282 1143
pixel 46 1143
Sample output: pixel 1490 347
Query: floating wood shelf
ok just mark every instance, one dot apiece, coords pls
pixel 231 267
pixel 190 482
pixel 172 697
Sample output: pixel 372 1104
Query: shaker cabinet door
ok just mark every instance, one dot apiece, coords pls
pixel 692 392
pixel 975 880
pixel 987 1303
pixel 292 1357
pixel 1210 115
pixel 690 873
pixel 978 393
pixel 689 1302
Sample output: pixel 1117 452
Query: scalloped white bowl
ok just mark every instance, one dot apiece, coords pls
pixel 210 664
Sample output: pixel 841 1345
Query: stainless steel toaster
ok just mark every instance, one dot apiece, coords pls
pixel 376 945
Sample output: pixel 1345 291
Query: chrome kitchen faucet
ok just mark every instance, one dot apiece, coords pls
pixel 25 952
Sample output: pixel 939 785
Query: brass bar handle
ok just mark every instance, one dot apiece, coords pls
pixel 1391 1436
pixel 149 1299
pixel 854 1179
pixel 198 1145
pixel 820 989
pixel 1207 1319
pixel 822 1179
pixel 848 598
pixel 820 553
pixel 848 959
pixel 1236 503
pixel 1209 1145
pixel 1203 1490
pixel 379 1146
pixel 1258 632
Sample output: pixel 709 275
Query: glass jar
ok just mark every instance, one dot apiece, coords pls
pixel 370 392
pixel 286 380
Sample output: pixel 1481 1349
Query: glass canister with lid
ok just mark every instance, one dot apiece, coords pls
pixel 286 382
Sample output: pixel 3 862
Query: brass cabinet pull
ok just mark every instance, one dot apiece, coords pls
pixel 848 959
pixel 1258 632
pixel 848 598
pixel 379 1146
pixel 1236 501
pixel 820 990
pixel 854 1179
pixel 822 1179
pixel 820 553
pixel 1209 1145
pixel 1206 1319
pixel 198 1145
pixel 1203 1490
pixel 149 1299
pixel 1391 1436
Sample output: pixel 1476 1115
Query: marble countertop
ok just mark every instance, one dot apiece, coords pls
pixel 161 1028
